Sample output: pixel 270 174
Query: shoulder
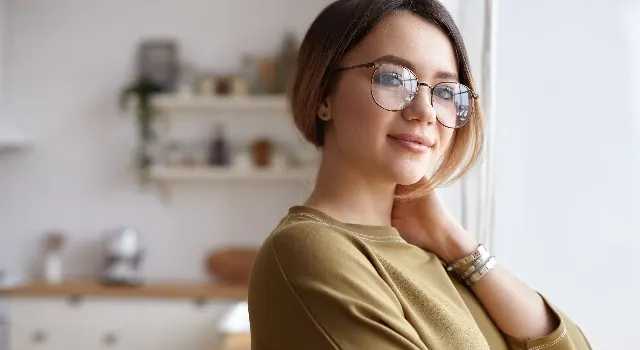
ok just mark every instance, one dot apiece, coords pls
pixel 307 256
pixel 299 252
pixel 298 240
pixel 306 274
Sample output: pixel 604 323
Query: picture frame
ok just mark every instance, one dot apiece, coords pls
pixel 158 60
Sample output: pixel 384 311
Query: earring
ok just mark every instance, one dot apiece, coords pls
pixel 323 116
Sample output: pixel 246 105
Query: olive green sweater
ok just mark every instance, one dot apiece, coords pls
pixel 318 283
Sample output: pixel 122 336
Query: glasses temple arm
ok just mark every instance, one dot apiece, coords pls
pixel 364 65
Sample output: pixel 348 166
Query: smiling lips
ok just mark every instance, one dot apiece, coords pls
pixel 413 142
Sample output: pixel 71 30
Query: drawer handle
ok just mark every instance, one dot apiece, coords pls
pixel 200 302
pixel 39 336
pixel 110 339
pixel 75 300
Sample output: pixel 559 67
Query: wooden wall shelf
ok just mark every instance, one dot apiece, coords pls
pixel 193 103
pixel 13 143
pixel 180 174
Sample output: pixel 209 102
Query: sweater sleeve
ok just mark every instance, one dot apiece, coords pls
pixel 567 336
pixel 323 294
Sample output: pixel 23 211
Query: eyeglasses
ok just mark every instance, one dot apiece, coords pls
pixel 394 87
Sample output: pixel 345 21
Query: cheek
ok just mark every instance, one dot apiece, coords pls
pixel 444 135
pixel 356 116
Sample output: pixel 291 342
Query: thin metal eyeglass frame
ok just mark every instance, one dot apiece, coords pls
pixel 377 65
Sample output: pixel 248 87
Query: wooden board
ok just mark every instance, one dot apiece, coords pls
pixel 150 290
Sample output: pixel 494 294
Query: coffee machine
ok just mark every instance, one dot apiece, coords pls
pixel 123 257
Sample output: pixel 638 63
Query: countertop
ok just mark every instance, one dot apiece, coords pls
pixel 163 290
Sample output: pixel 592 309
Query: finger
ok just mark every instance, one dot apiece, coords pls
pixel 406 189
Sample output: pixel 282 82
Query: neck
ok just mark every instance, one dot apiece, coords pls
pixel 351 195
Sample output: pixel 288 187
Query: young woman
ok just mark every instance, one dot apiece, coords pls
pixel 373 260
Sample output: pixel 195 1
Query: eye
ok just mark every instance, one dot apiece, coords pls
pixel 444 92
pixel 389 79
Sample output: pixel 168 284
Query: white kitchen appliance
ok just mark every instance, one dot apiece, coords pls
pixel 123 257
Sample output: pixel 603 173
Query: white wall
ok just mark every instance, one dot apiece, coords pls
pixel 66 61
pixel 633 25
pixel 565 114
pixel 3 30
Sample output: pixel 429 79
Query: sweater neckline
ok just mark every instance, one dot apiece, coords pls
pixel 369 230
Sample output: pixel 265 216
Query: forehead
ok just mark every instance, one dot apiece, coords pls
pixel 411 37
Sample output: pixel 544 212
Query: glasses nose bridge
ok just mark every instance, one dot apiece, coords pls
pixel 430 90
pixel 425 107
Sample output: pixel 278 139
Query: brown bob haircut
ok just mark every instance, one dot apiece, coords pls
pixel 339 28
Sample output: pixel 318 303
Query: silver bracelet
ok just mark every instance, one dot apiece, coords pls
pixel 481 261
pixel 467 259
pixel 482 271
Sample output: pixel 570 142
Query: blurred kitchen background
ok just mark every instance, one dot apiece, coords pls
pixel 167 185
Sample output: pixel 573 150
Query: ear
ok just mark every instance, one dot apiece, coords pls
pixel 324 112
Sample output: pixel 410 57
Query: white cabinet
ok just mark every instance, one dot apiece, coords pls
pixel 119 324
pixel 50 337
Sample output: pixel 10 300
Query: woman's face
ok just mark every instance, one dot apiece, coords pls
pixel 403 146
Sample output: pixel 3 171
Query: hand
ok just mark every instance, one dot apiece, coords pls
pixel 427 223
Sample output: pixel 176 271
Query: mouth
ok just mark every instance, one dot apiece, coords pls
pixel 413 142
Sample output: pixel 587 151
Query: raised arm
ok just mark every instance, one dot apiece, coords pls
pixel 521 314
pixel 528 321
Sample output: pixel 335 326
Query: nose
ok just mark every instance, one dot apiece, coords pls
pixel 420 108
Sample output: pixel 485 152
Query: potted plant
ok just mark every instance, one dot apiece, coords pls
pixel 141 92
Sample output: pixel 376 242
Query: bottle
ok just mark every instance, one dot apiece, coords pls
pixel 54 243
pixel 52 268
pixel 219 148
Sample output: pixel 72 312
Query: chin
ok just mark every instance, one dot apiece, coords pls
pixel 408 170
pixel 409 175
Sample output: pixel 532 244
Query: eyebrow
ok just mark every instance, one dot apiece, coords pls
pixel 440 74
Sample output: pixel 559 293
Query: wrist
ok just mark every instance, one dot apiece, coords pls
pixel 458 243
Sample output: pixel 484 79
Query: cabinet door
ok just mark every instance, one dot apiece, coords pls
pixel 115 324
pixel 143 338
pixel 155 324
pixel 51 338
